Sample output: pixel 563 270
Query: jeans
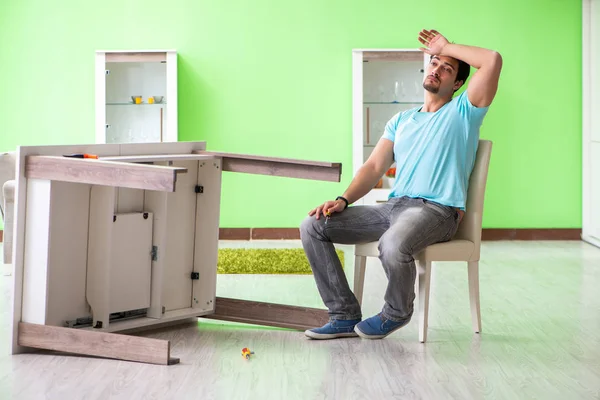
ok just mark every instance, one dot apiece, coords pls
pixel 404 226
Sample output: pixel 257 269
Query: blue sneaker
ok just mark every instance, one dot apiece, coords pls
pixel 378 327
pixel 336 328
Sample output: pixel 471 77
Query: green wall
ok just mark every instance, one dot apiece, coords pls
pixel 274 78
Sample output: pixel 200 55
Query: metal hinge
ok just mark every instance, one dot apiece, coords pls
pixel 154 253
pixel 199 189
pixel 195 276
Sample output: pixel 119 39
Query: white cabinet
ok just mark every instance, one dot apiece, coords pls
pixel 591 122
pixel 385 82
pixel 136 96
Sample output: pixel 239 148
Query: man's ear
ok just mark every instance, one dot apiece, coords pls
pixel 458 85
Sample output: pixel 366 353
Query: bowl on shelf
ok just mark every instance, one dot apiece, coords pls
pixel 136 99
pixel 158 99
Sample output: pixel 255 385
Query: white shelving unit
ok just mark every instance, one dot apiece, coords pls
pixel 122 75
pixel 591 122
pixel 385 82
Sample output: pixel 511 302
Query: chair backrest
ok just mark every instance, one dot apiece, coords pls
pixel 471 224
pixel 7 173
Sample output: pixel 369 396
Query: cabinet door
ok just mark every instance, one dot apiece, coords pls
pixel 135 101
pixel 131 262
pixel 595 190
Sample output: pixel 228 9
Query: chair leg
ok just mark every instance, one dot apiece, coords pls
pixel 474 295
pixel 360 264
pixel 423 280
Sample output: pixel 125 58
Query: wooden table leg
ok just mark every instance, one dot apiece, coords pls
pixel 268 314
pixel 101 344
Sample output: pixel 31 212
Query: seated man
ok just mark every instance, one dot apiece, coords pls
pixel 434 147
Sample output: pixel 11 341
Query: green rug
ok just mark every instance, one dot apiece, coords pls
pixel 265 261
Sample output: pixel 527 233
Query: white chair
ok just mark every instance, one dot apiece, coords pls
pixel 7 201
pixel 464 246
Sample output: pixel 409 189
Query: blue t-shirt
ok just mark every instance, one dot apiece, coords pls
pixel 435 151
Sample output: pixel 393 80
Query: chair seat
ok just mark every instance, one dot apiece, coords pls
pixel 454 250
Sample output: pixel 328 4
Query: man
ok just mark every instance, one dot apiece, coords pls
pixel 434 147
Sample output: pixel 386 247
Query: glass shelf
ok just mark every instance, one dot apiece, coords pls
pixel 392 102
pixel 133 104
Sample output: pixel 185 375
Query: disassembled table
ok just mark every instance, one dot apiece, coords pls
pixel 129 241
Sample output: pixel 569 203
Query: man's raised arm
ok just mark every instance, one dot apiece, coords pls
pixel 484 83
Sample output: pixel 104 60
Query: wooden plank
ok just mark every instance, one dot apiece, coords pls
pixel 268 314
pixel 290 170
pixel 392 56
pixel 101 344
pixel 268 159
pixel 287 167
pixel 136 57
pixel 165 148
pixel 106 173
pixel 157 157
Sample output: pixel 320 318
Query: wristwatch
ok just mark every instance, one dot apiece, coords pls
pixel 342 198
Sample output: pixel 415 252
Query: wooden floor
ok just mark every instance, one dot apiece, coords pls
pixel 541 340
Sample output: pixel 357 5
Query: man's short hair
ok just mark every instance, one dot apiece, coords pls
pixel 464 70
